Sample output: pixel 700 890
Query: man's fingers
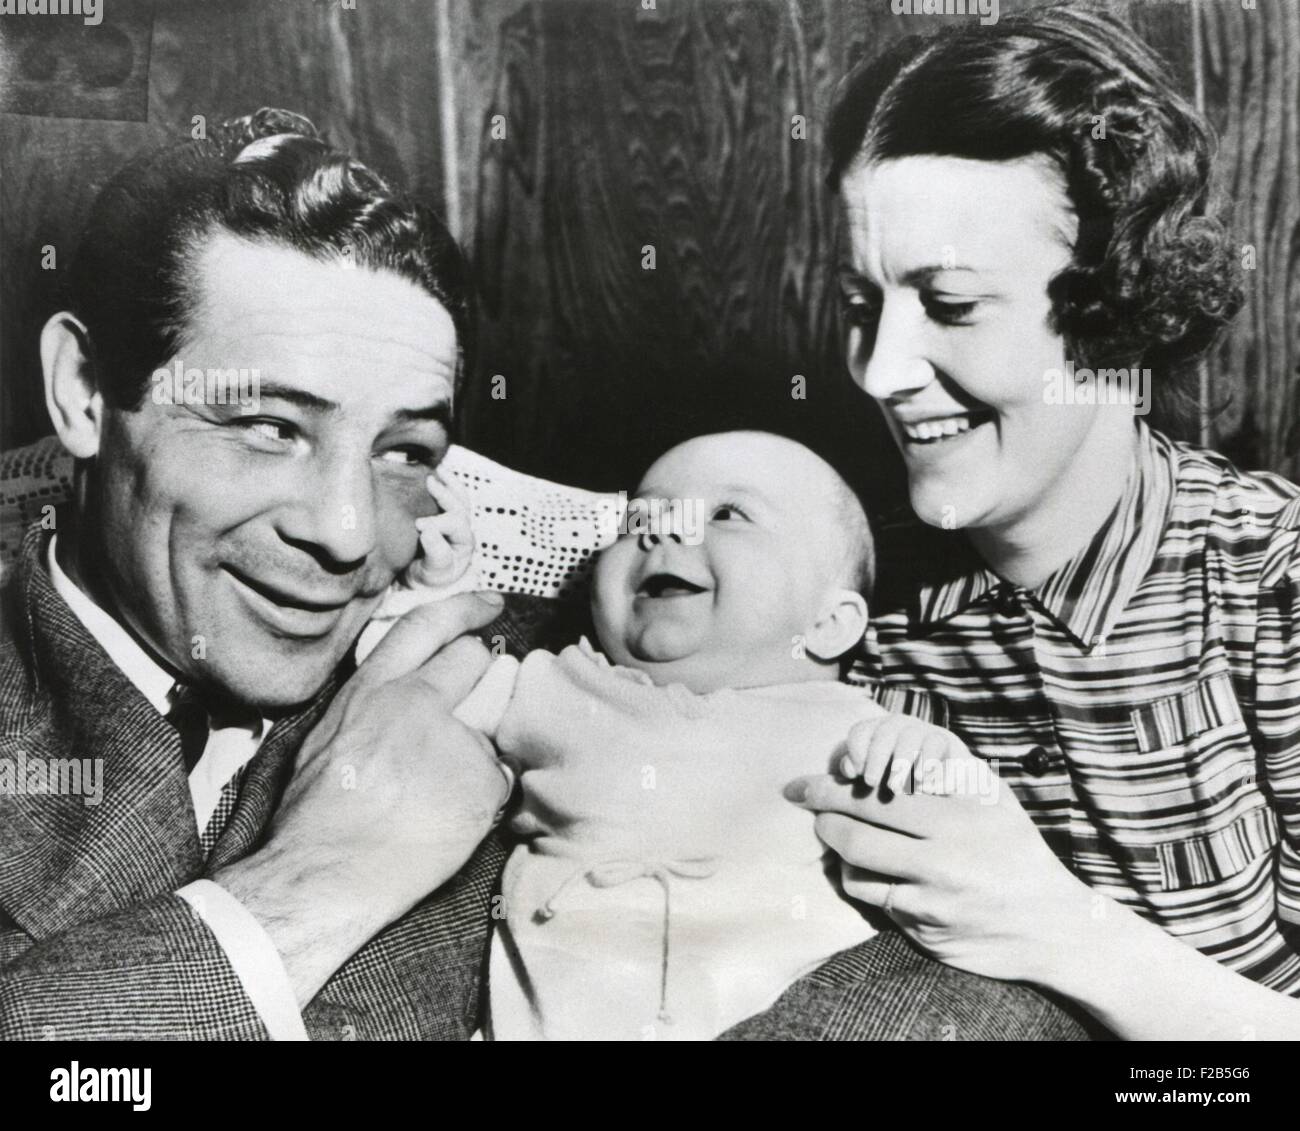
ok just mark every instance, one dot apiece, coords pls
pixel 425 630
pixel 454 671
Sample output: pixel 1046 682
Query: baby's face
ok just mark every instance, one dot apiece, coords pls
pixel 728 610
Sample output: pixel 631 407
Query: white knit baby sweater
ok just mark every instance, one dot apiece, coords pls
pixel 665 889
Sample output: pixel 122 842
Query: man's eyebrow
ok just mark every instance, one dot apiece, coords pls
pixel 268 390
pixel 439 412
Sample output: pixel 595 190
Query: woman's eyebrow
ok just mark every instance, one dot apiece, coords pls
pixel 921 276
pixel 852 277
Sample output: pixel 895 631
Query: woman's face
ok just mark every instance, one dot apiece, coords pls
pixel 950 331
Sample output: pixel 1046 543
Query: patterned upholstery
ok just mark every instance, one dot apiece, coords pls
pixel 31 478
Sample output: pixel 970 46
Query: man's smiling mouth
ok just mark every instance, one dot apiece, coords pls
pixel 316 603
pixel 659 585
pixel 290 614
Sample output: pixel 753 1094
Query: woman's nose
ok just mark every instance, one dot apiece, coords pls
pixel 892 364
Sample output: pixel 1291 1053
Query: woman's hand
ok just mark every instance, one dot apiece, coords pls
pixel 967 875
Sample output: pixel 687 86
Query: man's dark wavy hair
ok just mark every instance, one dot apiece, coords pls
pixel 268 177
pixel 1154 278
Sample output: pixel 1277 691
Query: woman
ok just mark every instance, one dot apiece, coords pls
pixel 1117 624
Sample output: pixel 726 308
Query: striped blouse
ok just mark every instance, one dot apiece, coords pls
pixel 1144 703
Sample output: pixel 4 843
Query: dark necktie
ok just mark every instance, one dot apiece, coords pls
pixel 193 723
pixel 190 718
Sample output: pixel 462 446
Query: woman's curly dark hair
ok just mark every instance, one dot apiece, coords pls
pixel 1154 277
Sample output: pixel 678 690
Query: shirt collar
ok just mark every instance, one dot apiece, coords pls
pixel 153 681
pixel 1086 595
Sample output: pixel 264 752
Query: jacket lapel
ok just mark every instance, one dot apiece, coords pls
pixel 65 857
pixel 64 860
pixel 265 779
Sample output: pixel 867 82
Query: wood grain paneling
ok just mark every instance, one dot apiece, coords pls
pixel 628 127
pixel 367 75
pixel 670 128
pixel 1252 95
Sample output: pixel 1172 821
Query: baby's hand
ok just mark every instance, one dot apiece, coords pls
pixel 446 540
pixel 905 754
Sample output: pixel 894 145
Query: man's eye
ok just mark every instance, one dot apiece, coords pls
pixel 947 312
pixel 276 431
pixel 729 512
pixel 411 455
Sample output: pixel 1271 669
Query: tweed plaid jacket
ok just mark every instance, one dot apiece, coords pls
pixel 93 944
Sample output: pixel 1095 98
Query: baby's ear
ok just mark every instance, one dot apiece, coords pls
pixel 840 625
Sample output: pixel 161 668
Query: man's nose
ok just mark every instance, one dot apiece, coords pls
pixel 892 364
pixel 335 514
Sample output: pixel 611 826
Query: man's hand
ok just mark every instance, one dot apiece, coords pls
pixel 390 797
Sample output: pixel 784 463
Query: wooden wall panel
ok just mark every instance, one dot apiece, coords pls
pixel 367 75
pixel 672 128
pixel 1252 95
pixel 627 127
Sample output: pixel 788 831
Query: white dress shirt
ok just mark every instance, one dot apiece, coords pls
pixel 248 947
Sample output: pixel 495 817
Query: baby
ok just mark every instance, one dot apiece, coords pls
pixel 663 888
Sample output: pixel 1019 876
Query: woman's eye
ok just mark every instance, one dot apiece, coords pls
pixel 948 312
pixel 861 310
pixel 728 512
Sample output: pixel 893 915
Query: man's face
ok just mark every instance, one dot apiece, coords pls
pixel 950 330
pixel 249 544
pixel 726 611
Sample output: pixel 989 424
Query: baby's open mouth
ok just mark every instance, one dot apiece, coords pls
pixel 668 585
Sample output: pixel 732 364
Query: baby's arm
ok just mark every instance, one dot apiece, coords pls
pixel 446 550
pixel 904 754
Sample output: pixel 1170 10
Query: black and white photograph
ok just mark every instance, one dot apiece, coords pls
pixel 650 521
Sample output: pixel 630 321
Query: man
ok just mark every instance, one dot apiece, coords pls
pixel 281 845
pixel 223 556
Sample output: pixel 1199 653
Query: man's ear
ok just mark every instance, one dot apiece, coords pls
pixel 75 405
pixel 840 625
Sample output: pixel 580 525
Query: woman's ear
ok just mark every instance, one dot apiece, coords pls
pixel 75 404
pixel 839 626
